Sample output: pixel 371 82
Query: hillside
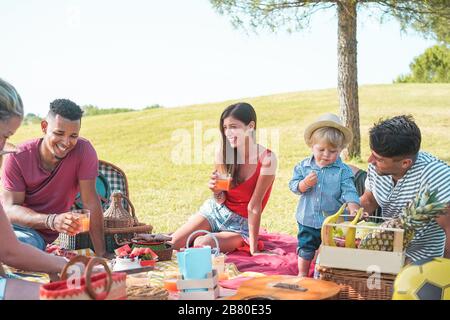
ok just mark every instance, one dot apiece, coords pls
pixel 166 193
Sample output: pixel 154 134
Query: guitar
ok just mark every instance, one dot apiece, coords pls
pixel 279 287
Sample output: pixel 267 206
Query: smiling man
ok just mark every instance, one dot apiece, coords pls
pixel 41 180
pixel 397 172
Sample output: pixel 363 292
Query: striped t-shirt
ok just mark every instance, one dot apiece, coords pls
pixel 428 241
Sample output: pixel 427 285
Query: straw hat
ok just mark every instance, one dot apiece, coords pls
pixel 328 120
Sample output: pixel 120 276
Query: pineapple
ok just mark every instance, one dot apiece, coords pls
pixel 419 212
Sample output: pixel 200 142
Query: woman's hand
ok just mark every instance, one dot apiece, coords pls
pixel 253 247
pixel 212 181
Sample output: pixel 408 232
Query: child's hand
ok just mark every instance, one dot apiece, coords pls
pixel 311 179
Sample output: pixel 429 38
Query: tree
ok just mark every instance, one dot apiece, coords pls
pixel 431 66
pixel 31 118
pixel 295 14
pixel 153 106
pixel 432 25
pixel 91 110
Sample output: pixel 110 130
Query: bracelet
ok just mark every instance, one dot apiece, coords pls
pixel 52 222
pixel 46 222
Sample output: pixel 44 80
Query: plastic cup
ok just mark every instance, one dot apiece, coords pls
pixel 84 218
pixel 170 281
pixel 223 182
pixel 171 285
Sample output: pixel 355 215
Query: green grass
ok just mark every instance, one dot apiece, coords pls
pixel 165 194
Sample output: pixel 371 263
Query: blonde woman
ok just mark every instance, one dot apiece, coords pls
pixel 12 252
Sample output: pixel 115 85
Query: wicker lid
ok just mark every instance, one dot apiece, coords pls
pixel 116 216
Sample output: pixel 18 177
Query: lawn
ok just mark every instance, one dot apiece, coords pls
pixel 166 153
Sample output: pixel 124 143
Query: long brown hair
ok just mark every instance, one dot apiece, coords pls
pixel 245 113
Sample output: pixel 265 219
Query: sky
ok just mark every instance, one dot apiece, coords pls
pixel 137 53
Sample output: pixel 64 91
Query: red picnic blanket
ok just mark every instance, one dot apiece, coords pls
pixel 281 258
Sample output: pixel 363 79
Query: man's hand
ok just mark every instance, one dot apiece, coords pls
pixel 67 223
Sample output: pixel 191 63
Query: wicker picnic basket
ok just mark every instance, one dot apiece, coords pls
pixel 105 285
pixel 120 225
pixel 363 274
pixel 358 285
pixel 146 292
pixel 159 243
pixel 163 250
pixel 117 232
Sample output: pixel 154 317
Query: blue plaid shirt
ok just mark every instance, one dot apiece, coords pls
pixel 334 186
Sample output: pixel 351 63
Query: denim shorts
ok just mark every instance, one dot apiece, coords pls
pixel 29 236
pixel 2 288
pixel 308 241
pixel 221 218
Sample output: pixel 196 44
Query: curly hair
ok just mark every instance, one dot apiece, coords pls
pixel 66 109
pixel 10 101
pixel 396 137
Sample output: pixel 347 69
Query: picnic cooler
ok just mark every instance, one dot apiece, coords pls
pixel 105 285
pixel 121 223
pixel 362 274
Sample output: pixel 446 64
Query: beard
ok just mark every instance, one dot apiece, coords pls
pixel 382 173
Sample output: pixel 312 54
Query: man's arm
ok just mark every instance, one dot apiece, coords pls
pixel 91 201
pixel 18 214
pixel 368 202
pixel 444 222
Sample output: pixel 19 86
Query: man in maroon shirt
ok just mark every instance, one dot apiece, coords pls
pixel 41 180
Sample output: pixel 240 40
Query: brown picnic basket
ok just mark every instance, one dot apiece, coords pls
pixel 356 285
pixel 362 274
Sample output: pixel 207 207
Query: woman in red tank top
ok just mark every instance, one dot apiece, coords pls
pixel 234 211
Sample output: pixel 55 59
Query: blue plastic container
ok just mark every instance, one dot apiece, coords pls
pixel 195 264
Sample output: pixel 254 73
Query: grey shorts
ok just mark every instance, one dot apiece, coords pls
pixel 221 218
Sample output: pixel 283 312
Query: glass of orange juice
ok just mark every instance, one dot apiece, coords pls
pixel 170 281
pixel 84 218
pixel 223 182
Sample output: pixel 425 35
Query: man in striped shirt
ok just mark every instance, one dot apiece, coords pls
pixel 397 171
